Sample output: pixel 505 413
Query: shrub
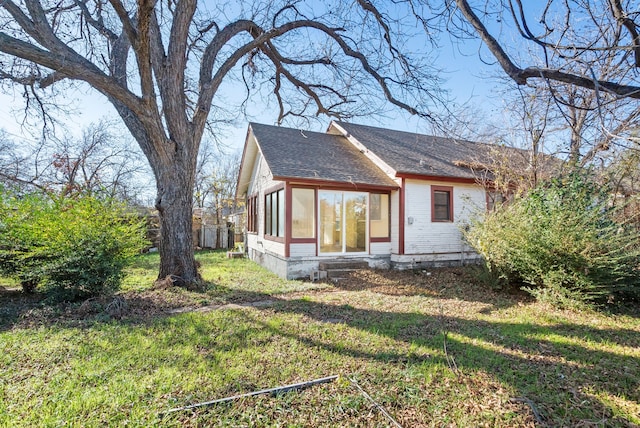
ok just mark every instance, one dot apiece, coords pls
pixel 68 247
pixel 564 241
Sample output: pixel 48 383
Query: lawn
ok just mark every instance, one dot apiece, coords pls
pixel 431 348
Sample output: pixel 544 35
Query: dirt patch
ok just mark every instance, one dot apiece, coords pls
pixel 458 282
pixel 19 310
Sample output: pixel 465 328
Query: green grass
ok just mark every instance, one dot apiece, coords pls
pixel 433 350
pixel 220 273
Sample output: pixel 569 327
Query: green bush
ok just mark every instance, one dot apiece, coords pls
pixel 68 247
pixel 564 241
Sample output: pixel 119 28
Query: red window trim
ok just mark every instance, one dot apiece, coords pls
pixel 274 238
pixel 383 238
pixel 267 194
pixel 441 189
pixel 305 240
pixel 252 214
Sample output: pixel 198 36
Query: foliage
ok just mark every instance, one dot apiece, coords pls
pixel 69 247
pixel 564 240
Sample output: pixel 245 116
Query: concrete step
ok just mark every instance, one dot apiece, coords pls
pixel 343 265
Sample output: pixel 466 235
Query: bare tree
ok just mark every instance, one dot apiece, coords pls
pixel 221 185
pixel 215 187
pixel 584 127
pixel 595 35
pixel 206 161
pixel 12 168
pixel 23 162
pixel 583 74
pixel 100 162
pixel 162 65
pixel 216 178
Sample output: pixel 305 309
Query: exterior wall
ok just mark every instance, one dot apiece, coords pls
pixel 395 222
pixel 274 262
pixel 380 248
pixel 302 267
pixel 302 250
pixel 418 261
pixel 437 243
pixel 426 243
pixel 261 180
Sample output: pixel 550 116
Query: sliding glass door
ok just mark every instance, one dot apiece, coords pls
pixel 343 222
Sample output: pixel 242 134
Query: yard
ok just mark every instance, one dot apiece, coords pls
pixel 431 347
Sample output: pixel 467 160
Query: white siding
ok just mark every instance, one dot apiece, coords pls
pixel 395 222
pixel 422 236
pixel 380 248
pixel 261 181
pixel 302 250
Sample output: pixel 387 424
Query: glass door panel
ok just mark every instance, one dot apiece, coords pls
pixel 343 222
pixel 355 210
pixel 330 222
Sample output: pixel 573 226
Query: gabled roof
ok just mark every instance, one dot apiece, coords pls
pixel 417 154
pixel 344 155
pixel 294 154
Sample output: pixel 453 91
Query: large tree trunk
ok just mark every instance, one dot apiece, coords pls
pixel 174 205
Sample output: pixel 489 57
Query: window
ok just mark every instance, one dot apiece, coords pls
pixel 252 214
pixel 303 213
pixel 343 221
pixel 494 199
pixel 379 215
pixel 441 203
pixel 274 213
pixel 267 214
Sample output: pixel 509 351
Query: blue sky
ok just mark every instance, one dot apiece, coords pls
pixel 468 79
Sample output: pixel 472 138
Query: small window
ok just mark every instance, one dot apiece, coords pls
pixel 379 215
pixel 303 211
pixel 252 214
pixel 494 200
pixel 274 213
pixel 441 203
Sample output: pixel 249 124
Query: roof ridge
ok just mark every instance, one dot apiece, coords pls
pixel 455 139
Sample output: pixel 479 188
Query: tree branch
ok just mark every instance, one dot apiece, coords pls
pixel 68 66
pixel 520 76
pixel 629 24
pixel 98 24
pixel 174 99
pixel 127 24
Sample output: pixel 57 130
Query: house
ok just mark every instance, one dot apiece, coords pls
pixel 388 198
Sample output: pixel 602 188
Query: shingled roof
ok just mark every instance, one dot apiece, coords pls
pixel 418 154
pixel 312 156
pixel 294 154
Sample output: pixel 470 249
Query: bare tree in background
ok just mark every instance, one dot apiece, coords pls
pixel 162 65
pixel 583 124
pixel 589 44
pixel 215 188
pixel 13 168
pixel 221 183
pixel 216 179
pixel 100 162
pixel 581 60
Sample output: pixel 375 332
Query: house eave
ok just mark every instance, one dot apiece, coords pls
pixel 242 185
pixel 432 177
pixel 335 183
